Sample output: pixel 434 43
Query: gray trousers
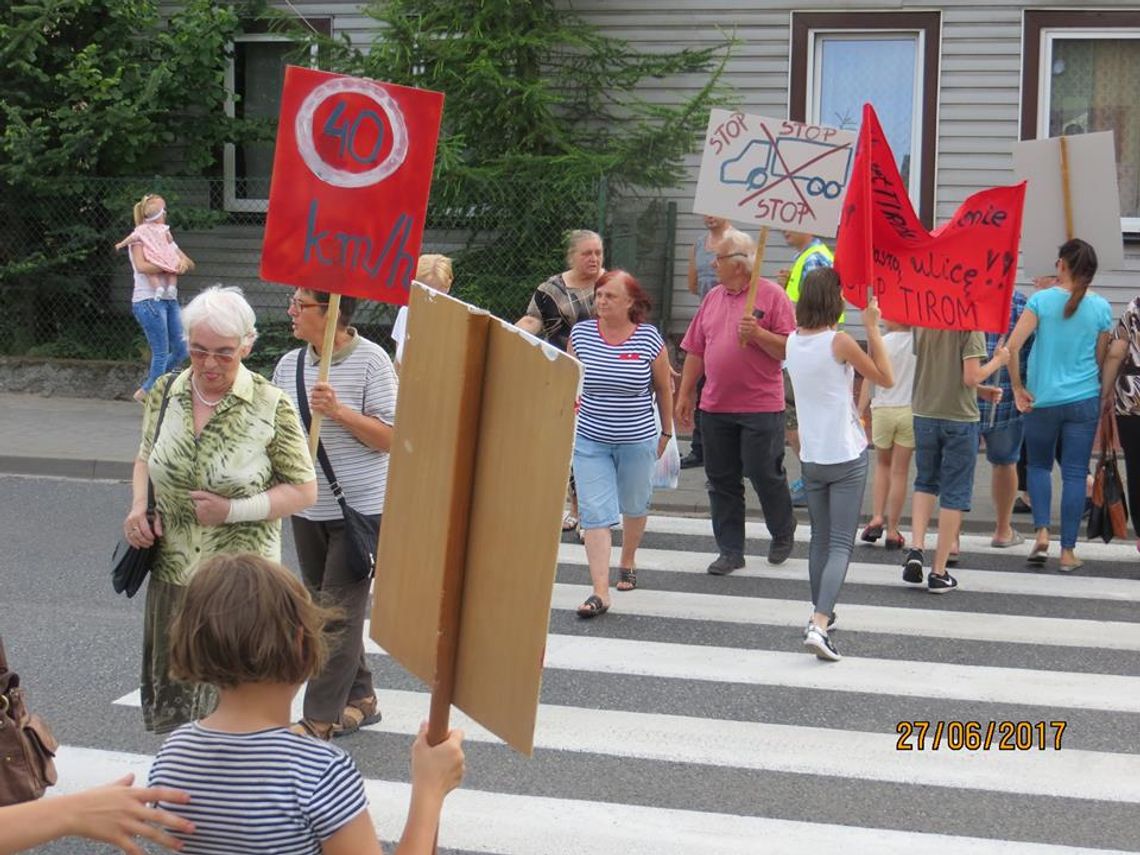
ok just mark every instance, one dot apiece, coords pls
pixel 835 500
pixel 345 677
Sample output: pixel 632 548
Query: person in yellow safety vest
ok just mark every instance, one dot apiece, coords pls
pixel 811 253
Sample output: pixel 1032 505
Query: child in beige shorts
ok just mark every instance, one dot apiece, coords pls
pixel 892 433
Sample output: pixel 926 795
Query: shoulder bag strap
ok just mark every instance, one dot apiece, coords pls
pixel 150 504
pixel 306 420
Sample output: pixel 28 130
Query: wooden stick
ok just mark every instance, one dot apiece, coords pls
pixel 1066 194
pixel 332 314
pixel 753 286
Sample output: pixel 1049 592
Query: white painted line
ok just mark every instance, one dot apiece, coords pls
pixel 1118 550
pixel 884 575
pixel 924 623
pixel 1055 690
pixel 480 821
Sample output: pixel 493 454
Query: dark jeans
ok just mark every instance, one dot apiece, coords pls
pixel 696 447
pixel 345 677
pixel 1129 429
pixel 746 445
pixel 1075 424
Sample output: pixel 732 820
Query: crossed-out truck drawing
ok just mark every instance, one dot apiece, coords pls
pixel 759 162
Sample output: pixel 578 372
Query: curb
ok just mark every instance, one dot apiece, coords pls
pixel 101 470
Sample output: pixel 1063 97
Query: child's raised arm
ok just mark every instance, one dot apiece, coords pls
pixel 436 771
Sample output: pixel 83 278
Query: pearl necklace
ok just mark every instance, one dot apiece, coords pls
pixel 201 397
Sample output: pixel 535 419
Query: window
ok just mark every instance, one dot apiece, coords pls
pixel 255 74
pixel 1082 74
pixel 841 60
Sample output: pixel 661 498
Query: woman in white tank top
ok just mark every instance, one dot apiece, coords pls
pixel 833 445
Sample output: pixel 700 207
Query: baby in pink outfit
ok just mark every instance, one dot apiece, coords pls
pixel 158 246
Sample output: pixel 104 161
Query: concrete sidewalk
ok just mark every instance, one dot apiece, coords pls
pixel 90 438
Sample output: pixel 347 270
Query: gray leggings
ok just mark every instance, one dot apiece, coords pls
pixel 835 500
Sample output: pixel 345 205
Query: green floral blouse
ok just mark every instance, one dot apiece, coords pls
pixel 253 441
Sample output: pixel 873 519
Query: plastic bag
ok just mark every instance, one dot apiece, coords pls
pixel 667 469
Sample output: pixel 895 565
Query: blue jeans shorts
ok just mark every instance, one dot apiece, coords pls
pixel 945 453
pixel 613 479
pixel 1003 443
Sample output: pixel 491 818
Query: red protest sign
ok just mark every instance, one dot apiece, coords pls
pixel 351 176
pixel 959 277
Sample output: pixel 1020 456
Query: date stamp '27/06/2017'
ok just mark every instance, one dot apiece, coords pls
pixel 956 735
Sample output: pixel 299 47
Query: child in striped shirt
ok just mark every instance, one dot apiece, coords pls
pixel 250 627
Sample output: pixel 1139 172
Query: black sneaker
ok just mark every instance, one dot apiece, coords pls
pixel 941 584
pixel 692 461
pixel 831 621
pixel 781 547
pixel 818 642
pixel 725 563
pixel 912 567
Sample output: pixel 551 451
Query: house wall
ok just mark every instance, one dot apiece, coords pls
pixel 979 96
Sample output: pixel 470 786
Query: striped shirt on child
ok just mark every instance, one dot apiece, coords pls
pixel 617 390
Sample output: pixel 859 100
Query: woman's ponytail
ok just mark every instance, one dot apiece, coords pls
pixel 1080 259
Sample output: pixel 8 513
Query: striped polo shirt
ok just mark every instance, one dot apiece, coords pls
pixel 261 792
pixel 363 377
pixel 617 389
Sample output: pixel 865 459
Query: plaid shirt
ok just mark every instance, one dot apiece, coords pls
pixel 1006 411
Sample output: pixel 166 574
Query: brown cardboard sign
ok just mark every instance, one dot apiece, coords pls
pixel 477 478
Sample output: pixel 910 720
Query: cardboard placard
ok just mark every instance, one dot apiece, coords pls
pixel 774 172
pixel 351 175
pixel 960 276
pixel 476 485
pixel 1093 193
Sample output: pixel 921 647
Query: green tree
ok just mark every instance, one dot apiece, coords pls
pixel 90 90
pixel 542 111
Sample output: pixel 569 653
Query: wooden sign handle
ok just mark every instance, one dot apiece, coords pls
pixel 754 284
pixel 332 314
pixel 1066 193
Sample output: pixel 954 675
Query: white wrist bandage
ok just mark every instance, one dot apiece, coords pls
pixel 252 509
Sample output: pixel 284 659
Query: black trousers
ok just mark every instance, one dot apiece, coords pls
pixel 746 445
pixel 696 447
pixel 345 677
pixel 1129 429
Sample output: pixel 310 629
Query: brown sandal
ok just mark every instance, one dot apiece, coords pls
pixel 317 729
pixel 356 715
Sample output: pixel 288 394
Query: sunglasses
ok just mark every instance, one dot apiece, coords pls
pixel 222 357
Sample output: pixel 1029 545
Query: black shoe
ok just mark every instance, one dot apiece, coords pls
pixel 941 584
pixel 780 548
pixel 1020 507
pixel 725 563
pixel 912 567
pixel 692 461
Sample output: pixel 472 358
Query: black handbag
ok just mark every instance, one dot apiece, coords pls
pixel 131 564
pixel 361 531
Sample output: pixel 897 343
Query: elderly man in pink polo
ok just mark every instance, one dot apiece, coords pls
pixel 742 405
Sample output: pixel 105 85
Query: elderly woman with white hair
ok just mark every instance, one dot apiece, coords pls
pixel 228 462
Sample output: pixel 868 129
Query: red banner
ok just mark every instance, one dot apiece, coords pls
pixel 959 277
pixel 351 176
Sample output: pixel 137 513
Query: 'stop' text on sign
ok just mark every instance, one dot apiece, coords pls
pixel 351 176
pixel 774 172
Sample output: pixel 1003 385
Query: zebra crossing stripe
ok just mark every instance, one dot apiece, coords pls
pixel 481 821
pixel 884 575
pixel 926 623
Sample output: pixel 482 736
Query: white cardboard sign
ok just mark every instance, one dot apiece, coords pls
pixel 774 172
pixel 1093 192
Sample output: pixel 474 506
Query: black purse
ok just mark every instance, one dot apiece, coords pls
pixel 131 564
pixel 361 531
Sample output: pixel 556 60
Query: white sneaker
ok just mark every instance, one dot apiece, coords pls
pixel 818 642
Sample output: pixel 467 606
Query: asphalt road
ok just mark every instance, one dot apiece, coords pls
pixel 652 763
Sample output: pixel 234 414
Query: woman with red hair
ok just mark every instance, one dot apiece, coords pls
pixel 618 440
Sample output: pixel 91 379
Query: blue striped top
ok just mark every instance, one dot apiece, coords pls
pixel 261 792
pixel 617 389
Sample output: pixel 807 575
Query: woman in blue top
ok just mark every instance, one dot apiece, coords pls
pixel 617 440
pixel 1062 400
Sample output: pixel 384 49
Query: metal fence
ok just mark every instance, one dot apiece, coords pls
pixel 67 292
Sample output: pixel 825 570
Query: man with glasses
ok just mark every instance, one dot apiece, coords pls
pixel 742 407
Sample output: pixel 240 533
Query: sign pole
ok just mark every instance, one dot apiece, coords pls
pixel 753 286
pixel 332 314
pixel 1066 194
